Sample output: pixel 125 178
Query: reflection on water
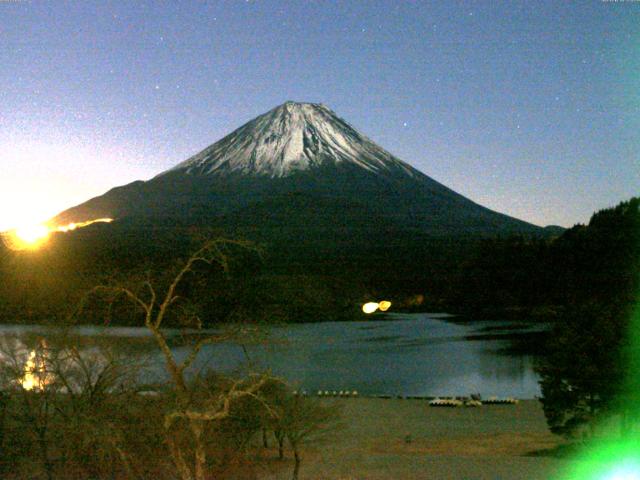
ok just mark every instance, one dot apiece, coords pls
pixel 404 354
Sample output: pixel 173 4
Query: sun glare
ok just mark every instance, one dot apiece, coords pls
pixel 31 237
pixel 28 237
pixel 32 234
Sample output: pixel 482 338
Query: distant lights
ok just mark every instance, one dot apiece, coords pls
pixel 371 307
pixel 384 305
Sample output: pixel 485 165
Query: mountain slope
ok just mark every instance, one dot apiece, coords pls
pixel 305 151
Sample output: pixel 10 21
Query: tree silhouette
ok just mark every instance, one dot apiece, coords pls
pixel 191 410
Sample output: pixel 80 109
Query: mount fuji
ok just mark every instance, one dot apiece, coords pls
pixel 299 171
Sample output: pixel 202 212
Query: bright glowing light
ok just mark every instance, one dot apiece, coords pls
pixel 29 380
pixel 370 307
pixel 626 471
pixel 26 238
pixel 35 372
pixel 74 226
pixel 34 236
pixel 623 475
pixel 607 460
pixel 52 172
pixel 384 305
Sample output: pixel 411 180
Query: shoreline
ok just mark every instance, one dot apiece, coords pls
pixel 404 440
pixel 489 400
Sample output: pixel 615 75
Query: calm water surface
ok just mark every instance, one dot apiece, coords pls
pixel 395 354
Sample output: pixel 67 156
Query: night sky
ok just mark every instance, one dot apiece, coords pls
pixel 530 108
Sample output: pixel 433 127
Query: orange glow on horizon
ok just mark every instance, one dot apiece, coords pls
pixel 32 234
pixel 31 237
pixel 74 226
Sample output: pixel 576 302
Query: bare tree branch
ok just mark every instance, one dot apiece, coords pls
pixel 155 308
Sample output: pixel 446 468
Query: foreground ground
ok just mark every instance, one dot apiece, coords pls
pixel 407 439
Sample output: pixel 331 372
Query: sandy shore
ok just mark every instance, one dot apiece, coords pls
pixel 407 439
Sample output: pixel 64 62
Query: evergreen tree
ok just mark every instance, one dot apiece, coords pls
pixel 587 364
pixel 584 369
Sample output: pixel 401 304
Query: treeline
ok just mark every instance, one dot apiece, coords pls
pixel 594 263
pixel 290 279
pixel 589 370
pixel 587 283
pixel 48 284
pixel 310 279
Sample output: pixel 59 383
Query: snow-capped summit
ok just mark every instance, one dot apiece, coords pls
pixel 291 137
pixel 297 168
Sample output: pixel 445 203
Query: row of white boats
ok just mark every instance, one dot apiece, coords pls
pixel 472 401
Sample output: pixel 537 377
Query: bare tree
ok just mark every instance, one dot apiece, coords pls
pixel 299 420
pixel 24 374
pixel 65 400
pixel 196 415
pixel 98 386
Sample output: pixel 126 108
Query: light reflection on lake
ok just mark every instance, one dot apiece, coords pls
pixel 396 354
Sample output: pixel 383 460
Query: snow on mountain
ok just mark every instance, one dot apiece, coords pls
pixel 298 160
pixel 289 138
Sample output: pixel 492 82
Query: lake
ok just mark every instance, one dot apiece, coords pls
pixel 392 354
